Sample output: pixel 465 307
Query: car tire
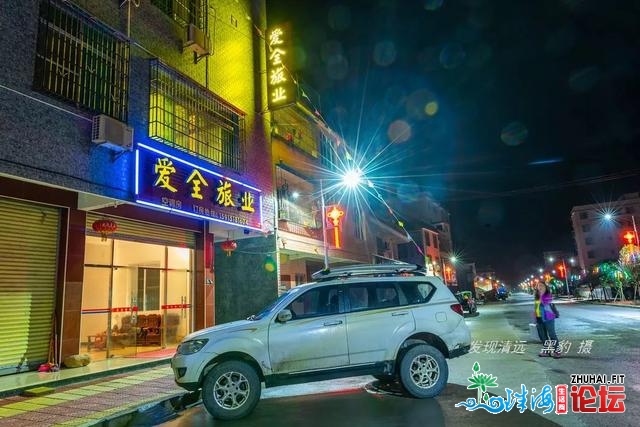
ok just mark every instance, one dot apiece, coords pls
pixel 231 390
pixel 423 371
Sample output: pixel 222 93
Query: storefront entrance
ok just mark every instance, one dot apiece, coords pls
pixel 136 297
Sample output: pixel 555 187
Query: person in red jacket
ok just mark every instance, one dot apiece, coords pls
pixel 545 321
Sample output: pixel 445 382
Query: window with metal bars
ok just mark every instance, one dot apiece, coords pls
pixel 358 227
pixel 185 12
pixel 81 61
pixel 328 154
pixel 186 116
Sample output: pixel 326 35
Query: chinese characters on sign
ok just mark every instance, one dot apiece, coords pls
pixel 171 183
pixel 279 79
pixel 584 347
pixel 587 393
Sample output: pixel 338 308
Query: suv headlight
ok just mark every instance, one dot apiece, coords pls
pixel 191 347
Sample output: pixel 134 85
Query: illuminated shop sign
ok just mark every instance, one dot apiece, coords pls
pixel 173 184
pixel 281 87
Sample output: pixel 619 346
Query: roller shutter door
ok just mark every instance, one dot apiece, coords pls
pixel 28 266
pixel 146 232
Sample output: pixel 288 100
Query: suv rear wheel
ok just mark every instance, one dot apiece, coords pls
pixel 231 390
pixel 423 371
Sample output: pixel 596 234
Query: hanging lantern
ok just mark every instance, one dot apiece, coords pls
pixel 105 227
pixel 229 246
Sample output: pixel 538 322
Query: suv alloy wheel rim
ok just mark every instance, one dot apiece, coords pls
pixel 231 390
pixel 424 371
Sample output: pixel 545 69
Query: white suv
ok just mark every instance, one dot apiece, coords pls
pixel 386 320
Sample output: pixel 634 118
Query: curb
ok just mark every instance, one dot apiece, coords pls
pixel 152 413
pixel 81 378
pixel 610 304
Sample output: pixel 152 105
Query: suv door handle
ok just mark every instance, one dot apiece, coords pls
pixel 334 323
pixel 400 313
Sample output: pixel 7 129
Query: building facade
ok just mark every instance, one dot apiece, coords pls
pixel 599 229
pixel 314 225
pixel 430 230
pixel 136 174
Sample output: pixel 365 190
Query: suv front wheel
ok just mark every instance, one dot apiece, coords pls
pixel 231 390
pixel 423 371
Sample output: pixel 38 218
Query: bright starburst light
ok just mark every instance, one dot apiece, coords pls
pixel 607 214
pixel 352 178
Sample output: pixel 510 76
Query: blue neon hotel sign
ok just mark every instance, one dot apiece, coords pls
pixel 167 182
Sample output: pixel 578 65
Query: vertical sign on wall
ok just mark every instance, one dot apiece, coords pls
pixel 280 84
pixel 334 217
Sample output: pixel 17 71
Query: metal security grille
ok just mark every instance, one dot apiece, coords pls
pixel 328 154
pixel 185 12
pixel 81 61
pixel 186 116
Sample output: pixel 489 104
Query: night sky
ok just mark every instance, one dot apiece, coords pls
pixel 509 112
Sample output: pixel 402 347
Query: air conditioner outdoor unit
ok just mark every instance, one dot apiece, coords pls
pixel 111 133
pixel 196 40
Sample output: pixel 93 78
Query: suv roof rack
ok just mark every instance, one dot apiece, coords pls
pixel 368 270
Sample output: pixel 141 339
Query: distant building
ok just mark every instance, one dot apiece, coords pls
pixel 465 276
pixel 598 229
pixel 424 249
pixel 485 281
pixel 429 227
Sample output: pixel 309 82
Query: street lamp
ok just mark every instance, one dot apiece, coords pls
pixel 350 179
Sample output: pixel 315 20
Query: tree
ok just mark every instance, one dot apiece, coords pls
pixel 612 275
pixel 630 262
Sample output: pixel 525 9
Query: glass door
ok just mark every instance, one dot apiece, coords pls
pixel 125 330
pixel 96 315
pixel 139 270
pixel 177 306
pixel 136 297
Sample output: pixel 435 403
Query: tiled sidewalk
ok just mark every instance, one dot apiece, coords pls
pixel 93 402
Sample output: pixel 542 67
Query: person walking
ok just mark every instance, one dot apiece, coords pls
pixel 545 321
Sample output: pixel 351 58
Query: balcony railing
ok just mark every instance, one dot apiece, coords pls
pixel 299 217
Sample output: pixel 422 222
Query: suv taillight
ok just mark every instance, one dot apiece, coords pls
pixel 457 308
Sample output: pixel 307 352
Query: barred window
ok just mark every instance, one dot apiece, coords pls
pixel 328 154
pixel 185 12
pixel 81 61
pixel 186 116
pixel 358 227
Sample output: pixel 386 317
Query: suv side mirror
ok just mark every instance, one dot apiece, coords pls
pixel 284 316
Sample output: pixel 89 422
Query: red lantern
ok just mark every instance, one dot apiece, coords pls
pixel 229 246
pixel 105 227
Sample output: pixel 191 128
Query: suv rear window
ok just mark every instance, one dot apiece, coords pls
pixel 364 296
pixel 371 296
pixel 417 292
